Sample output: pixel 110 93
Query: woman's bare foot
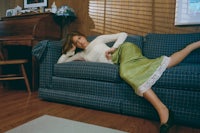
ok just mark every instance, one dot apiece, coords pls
pixel 165 127
pixel 164 116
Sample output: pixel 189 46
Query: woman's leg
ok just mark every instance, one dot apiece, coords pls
pixel 150 96
pixel 162 110
pixel 177 57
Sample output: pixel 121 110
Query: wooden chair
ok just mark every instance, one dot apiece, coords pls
pixel 17 76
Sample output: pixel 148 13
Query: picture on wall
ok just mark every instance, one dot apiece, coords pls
pixel 35 3
pixel 187 12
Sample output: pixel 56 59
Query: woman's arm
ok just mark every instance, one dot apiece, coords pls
pixel 117 38
pixel 70 56
pixel 121 37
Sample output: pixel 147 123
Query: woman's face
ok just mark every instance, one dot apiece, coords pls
pixel 80 42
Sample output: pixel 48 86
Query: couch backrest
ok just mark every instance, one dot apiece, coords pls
pixel 136 39
pixel 156 45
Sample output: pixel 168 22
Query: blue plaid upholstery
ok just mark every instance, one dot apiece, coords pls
pixel 98 85
pixel 184 76
pixel 47 58
pixel 138 40
pixel 166 44
pixel 88 70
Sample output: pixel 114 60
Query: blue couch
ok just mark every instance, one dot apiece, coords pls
pixel 99 86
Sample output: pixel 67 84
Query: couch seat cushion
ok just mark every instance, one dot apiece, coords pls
pixel 88 70
pixel 185 76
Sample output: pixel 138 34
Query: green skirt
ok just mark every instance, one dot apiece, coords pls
pixel 137 70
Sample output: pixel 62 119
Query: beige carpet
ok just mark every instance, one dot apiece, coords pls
pixel 51 124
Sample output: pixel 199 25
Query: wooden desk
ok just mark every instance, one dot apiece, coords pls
pixel 26 31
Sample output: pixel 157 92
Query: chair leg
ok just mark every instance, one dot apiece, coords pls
pixel 25 78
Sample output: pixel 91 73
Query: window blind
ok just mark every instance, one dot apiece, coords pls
pixel 137 17
pixel 97 13
pixel 111 16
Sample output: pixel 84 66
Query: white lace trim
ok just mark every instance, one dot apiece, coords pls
pixel 154 77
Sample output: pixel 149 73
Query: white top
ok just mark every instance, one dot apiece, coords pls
pixel 95 51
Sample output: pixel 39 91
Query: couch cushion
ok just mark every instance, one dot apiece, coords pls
pixel 136 39
pixel 88 70
pixel 165 44
pixel 183 77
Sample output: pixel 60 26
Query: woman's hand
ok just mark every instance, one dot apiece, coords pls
pixel 73 48
pixel 109 52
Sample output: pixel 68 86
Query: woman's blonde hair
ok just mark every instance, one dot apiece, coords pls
pixel 67 45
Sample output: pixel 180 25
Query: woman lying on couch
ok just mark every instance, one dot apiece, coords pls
pixel 135 69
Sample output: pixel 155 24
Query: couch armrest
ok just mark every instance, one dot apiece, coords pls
pixel 47 53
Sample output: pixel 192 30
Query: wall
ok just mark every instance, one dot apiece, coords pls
pixel 161 16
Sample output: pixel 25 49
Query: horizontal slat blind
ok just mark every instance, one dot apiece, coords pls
pixel 111 16
pixel 164 17
pixel 127 15
pixel 97 13
pixel 135 16
pixel 163 23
